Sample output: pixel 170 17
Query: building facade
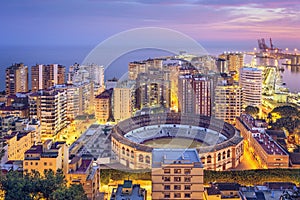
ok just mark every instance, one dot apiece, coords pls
pixel 251 83
pixel 235 61
pixel 122 103
pixel 267 152
pixel 103 106
pixel 195 94
pixel 80 99
pixel 176 174
pixel 16 79
pixel 87 73
pixel 49 155
pixel 46 76
pixel 49 107
pixel 18 143
pixel 228 102
pixel 153 89
pixel 128 191
pixel 82 171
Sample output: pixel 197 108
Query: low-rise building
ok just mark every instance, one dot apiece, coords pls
pixel 264 148
pixel 218 191
pixel 16 110
pixel 128 191
pixel 82 171
pixel 18 143
pixel 49 155
pixel 176 174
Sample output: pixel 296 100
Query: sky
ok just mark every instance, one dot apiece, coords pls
pixel 88 22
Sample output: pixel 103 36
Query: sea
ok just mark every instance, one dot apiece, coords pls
pixel 67 55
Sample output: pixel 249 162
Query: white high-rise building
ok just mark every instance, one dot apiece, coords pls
pixel 251 82
pixel 49 106
pixel 123 101
pixel 87 73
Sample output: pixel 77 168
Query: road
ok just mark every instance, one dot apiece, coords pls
pixel 248 162
pixel 73 131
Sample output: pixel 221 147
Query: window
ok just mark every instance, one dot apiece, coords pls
pixel 26 163
pixel 123 150
pixel 209 159
pixel 219 156
pixel 36 163
pixel 167 171
pixel 228 153
pixel 177 187
pixel 187 179
pixel 187 187
pixel 187 195
pixel 224 155
pixel 187 171
pixel 177 179
pixel 148 159
pixel 45 163
pixel 132 154
pixel 167 179
pixel 167 187
pixel 141 158
pixel 177 195
pixel 167 195
pixel 203 160
pixel 177 171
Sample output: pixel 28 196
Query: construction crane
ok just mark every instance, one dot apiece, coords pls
pixel 264 47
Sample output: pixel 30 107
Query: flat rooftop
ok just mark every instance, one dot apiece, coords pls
pixel 136 193
pixel 173 156
pixel 269 145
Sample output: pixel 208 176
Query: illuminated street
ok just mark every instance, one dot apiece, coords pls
pixel 73 131
pixel 248 162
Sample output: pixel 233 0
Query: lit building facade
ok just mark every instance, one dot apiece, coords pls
pixel 235 61
pixel 103 106
pixel 87 73
pixel 16 79
pixel 82 171
pixel 228 102
pixel 49 155
pixel 176 174
pixel 136 68
pixel 122 102
pixel 49 107
pixel 251 83
pixel 195 94
pixel 46 76
pixel 153 89
pixel 80 99
pixel 18 142
pixel 264 148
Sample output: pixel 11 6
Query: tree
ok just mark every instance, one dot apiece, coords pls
pixel 34 186
pixel 286 111
pixel 15 186
pixel 51 182
pixel 252 110
pixel 74 192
